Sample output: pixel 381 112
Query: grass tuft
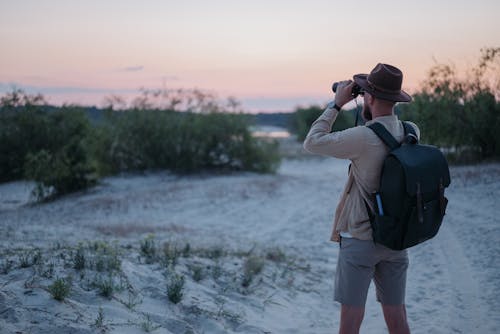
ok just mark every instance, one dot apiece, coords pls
pixel 60 289
pixel 106 258
pixel 148 326
pixel 5 266
pixel 198 273
pixel 251 268
pixel 105 287
pixel 148 249
pixel 79 260
pixel 171 254
pixel 175 288
pixel 276 255
pixel 99 321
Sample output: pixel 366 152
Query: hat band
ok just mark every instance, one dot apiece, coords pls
pixel 384 90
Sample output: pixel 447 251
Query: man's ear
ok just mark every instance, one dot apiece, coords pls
pixel 370 99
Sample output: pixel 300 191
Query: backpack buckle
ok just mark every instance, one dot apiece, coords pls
pixel 411 139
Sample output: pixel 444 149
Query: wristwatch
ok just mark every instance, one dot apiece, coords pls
pixel 333 105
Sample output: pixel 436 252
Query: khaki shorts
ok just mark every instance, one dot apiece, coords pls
pixel 359 262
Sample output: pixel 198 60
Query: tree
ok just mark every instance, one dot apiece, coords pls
pixel 461 113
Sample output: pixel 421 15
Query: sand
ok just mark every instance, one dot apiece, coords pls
pixel 276 225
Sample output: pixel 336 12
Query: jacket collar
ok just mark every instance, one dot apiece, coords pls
pixel 383 119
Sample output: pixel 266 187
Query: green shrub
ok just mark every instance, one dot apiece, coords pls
pixel 22 131
pixel 276 255
pixel 181 142
pixel 148 249
pixel 186 251
pixel 105 258
pixel 197 272
pixel 170 254
pixel 45 144
pixel 175 288
pixel 63 165
pixel 25 260
pixel 60 289
pixel 79 260
pixel 5 266
pixel 66 149
pixel 461 115
pixel 217 270
pixel 252 267
pixel 106 287
pixel 215 252
pixel 303 118
pixel 99 321
pixel 148 326
pixel 29 258
pixel 135 140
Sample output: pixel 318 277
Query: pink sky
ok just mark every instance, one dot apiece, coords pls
pixel 270 55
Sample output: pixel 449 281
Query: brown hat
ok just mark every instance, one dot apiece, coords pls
pixel 383 82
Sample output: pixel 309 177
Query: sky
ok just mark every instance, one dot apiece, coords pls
pixel 271 55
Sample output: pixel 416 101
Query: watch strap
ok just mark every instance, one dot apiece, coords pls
pixel 333 105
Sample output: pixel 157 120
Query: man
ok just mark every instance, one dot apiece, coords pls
pixel 360 259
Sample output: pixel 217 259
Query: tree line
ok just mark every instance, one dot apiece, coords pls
pixel 65 150
pixel 461 114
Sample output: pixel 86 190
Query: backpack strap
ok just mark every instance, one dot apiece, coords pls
pixel 409 129
pixel 385 135
pixel 410 134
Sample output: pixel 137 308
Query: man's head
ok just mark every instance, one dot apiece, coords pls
pixel 383 107
pixel 383 88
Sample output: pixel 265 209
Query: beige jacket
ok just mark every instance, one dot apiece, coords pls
pixel 367 152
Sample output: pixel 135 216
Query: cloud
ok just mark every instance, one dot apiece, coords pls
pixel 270 103
pixel 170 77
pixel 52 90
pixel 133 69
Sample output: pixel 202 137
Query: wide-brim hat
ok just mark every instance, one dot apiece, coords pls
pixel 383 82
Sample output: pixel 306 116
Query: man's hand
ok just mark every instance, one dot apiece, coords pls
pixel 343 94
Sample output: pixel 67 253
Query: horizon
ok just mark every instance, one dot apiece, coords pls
pixel 270 56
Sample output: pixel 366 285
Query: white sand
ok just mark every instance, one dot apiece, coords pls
pixel 453 280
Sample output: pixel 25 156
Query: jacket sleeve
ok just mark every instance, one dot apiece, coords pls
pixel 346 144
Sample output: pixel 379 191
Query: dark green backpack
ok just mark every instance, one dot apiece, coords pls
pixel 410 204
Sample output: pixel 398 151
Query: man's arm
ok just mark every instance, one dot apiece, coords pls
pixel 346 144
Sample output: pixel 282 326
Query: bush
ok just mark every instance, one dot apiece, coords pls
pixel 182 142
pixel 44 144
pixel 21 131
pixel 170 254
pixel 461 115
pixel 60 289
pixel 197 272
pixel 303 118
pixel 106 287
pixel 106 258
pixel 63 151
pixel 79 260
pixel 148 249
pixel 175 288
pixel 63 164
pixel 251 268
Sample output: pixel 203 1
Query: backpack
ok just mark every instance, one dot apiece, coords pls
pixel 410 204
